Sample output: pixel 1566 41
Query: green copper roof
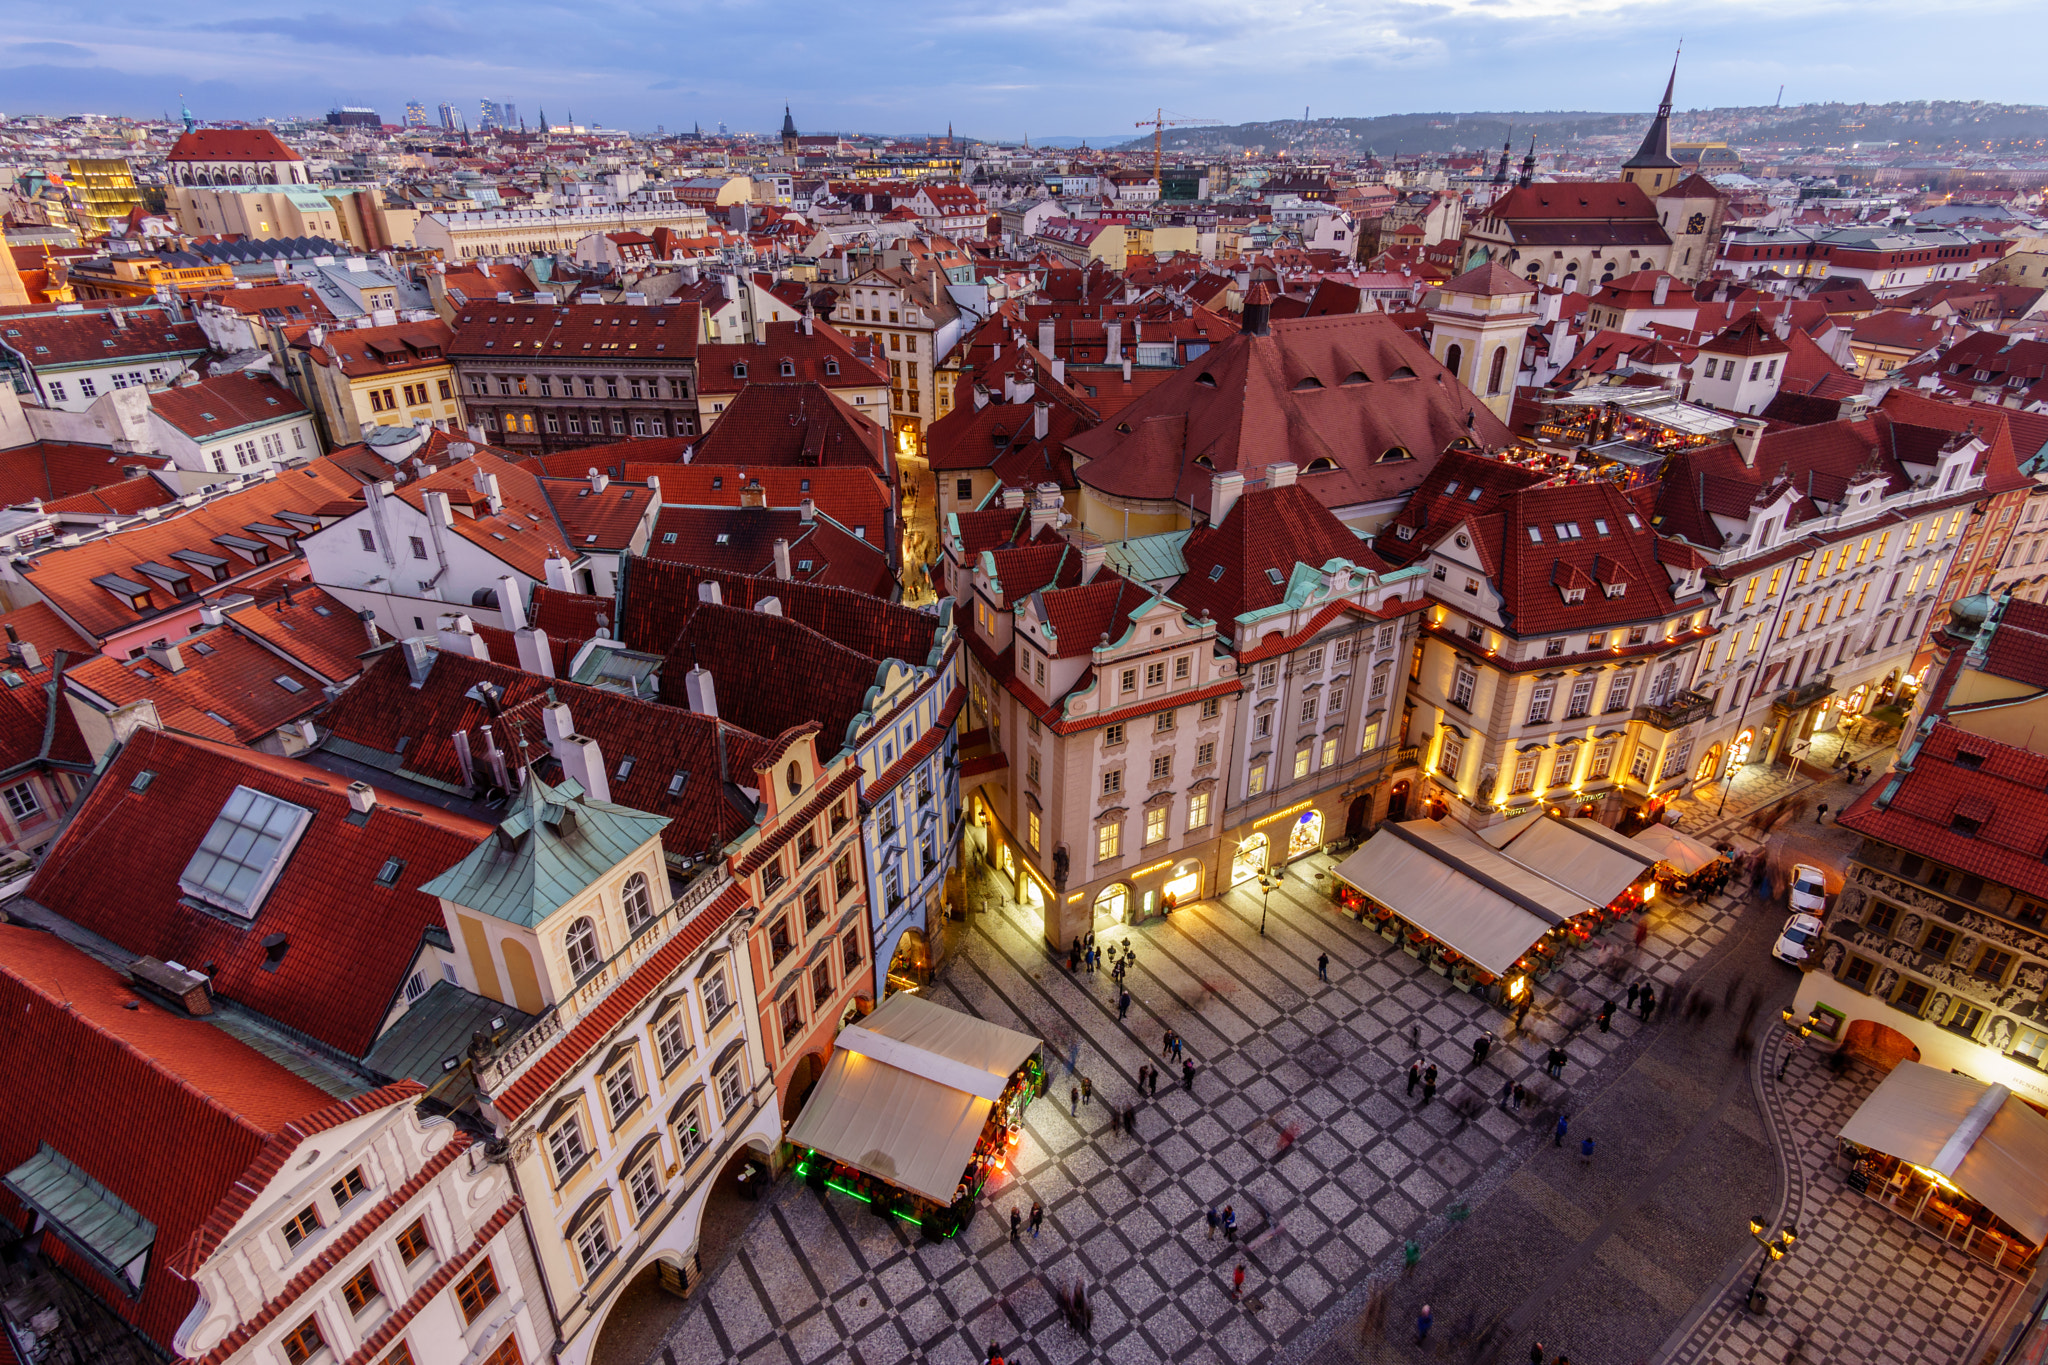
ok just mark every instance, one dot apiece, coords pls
pixel 554 842
pixel 89 1216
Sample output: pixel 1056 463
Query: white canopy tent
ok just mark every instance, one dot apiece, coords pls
pixel 1676 847
pixel 908 1091
pixel 1582 855
pixel 1978 1137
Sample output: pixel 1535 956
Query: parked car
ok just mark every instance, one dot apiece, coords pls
pixel 1802 934
pixel 1809 889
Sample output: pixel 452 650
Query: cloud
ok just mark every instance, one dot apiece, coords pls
pixel 59 52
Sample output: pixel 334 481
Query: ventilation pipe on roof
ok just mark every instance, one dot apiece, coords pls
pixel 1059 370
pixel 439 512
pixel 495 756
pixel 699 692
pixel 534 654
pixel 165 656
pixel 1225 488
pixel 492 496
pixel 419 658
pixel 1127 369
pixel 1041 420
pixel 463 758
pixel 599 480
pixel 807 512
pixel 1013 499
pixel 511 602
pixel 980 395
pixel 711 592
pixel 769 606
pixel 782 559
pixel 1045 335
pixel 1112 342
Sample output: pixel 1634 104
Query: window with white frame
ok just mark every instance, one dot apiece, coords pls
pixel 1603 761
pixel 644 1184
pixel 1561 767
pixel 580 944
pixel 566 1147
pixel 671 1043
pixel 1269 673
pixel 1198 810
pixel 731 1089
pixel 1301 758
pixel 691 1141
pixel 717 998
pixel 1308 710
pixel 1618 690
pixel 1581 701
pixel 1639 762
pixel 22 803
pixel 1451 757
pixel 1525 772
pixel 1674 759
pixel 594 1245
pixel 1109 841
pixel 1155 824
pixel 1539 703
pixel 639 903
pixel 1462 683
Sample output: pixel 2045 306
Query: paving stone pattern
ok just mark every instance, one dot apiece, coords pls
pixel 1861 1284
pixel 824 1280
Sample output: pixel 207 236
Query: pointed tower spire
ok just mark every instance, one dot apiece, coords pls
pixel 1500 176
pixel 1653 167
pixel 1529 164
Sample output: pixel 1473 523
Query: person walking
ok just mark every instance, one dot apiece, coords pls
pixel 1429 1084
pixel 1423 1321
pixel 1037 1216
pixel 1414 1076
pixel 1214 1221
pixel 1480 1047
pixel 1606 1015
pixel 1166 1044
pixel 1554 1062
pixel 1016 1222
pixel 1123 1005
pixel 1648 1003
pixel 1229 1223
pixel 1635 989
pixel 1507 1092
pixel 1074 957
pixel 995 1354
pixel 1520 1094
pixel 1564 1124
pixel 1087 1090
pixel 1237 1283
pixel 1536 1354
pixel 1179 1046
pixel 1323 966
pixel 1074 1101
pixel 1187 1074
pixel 1820 817
pixel 1585 1151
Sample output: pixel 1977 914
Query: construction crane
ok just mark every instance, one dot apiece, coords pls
pixel 1159 123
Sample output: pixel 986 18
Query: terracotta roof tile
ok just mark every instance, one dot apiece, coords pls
pixel 226 689
pixel 231 144
pixel 57 471
pixel 224 403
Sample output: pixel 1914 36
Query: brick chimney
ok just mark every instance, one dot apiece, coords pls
pixel 1225 488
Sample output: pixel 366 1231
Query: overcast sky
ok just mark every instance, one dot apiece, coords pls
pixel 996 68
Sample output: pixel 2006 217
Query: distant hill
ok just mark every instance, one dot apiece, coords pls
pixel 1933 126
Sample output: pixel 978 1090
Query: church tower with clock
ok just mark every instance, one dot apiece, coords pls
pixel 1689 206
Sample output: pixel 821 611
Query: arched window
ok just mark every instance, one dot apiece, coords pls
pixel 1500 364
pixel 639 902
pixel 1454 359
pixel 795 779
pixel 581 945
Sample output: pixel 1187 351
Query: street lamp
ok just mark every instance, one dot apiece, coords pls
pixel 1268 880
pixel 1802 1031
pixel 1775 1247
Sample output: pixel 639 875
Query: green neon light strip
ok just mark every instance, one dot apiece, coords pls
pixel 835 1185
pixel 907 1218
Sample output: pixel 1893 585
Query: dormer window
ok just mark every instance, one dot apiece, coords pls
pixel 1614 589
pixel 1574 594
pixel 739 370
pixel 788 369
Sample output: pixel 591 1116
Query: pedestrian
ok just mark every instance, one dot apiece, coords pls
pixel 1428 1087
pixel 1429 1075
pixel 1820 817
pixel 1521 1094
pixel 1507 1092
pixel 1187 1074
pixel 1563 1127
pixel 1480 1047
pixel 1087 1090
pixel 1016 1223
pixel 1287 1136
pixel 1606 1014
pixel 1522 1011
pixel 1585 1151
pixel 1323 966
pixel 1214 1222
pixel 1554 1061
pixel 1237 1282
pixel 1123 1005
pixel 1166 1044
pixel 1635 988
pixel 1642 931
pixel 1649 1003
pixel 1074 1098
pixel 1091 940
pixel 1037 1216
pixel 1422 1324
pixel 1074 956
pixel 1536 1354
pixel 1131 1119
pixel 995 1354
pixel 1414 1076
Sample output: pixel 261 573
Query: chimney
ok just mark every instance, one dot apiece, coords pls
pixel 1127 369
pixel 754 495
pixel 582 759
pixel 31 657
pixel 712 593
pixel 560 576
pixel 495 756
pixel 1747 432
pixel 1662 292
pixel 492 495
pixel 534 654
pixel 599 481
pixel 1113 342
pixel 699 692
pixel 438 508
pixel 309 733
pixel 369 620
pixel 463 758
pixel 1258 310
pixel 1225 488
pixel 807 512
pixel 782 558
pixel 1059 370
pixel 511 604
pixel 1045 335
pixel 980 396
pixel 769 606
pixel 1093 553
pixel 1281 475
pixel 362 798
pixel 419 658
pixel 458 636
pixel 165 656
pixel 1013 499
pixel 1041 420
pixel 1045 507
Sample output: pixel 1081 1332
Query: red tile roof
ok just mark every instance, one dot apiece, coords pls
pixel 1748 337
pixel 36 624
pixel 2006 791
pixel 775 423
pixel 53 470
pixel 597 520
pixel 1270 530
pixel 820 550
pixel 1335 396
pixel 571 615
pixel 364 352
pixel 94 338
pixel 752 656
pixel 225 402
pixel 582 333
pixel 226 690
pixel 231 144
pixel 351 942
pixel 320 633
pixel 859 361
pixel 852 495
pixel 127 498
pixel 274 302
pixel 164 1111
pixel 658 598
pixel 2019 644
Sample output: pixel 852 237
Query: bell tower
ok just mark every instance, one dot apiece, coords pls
pixel 1653 167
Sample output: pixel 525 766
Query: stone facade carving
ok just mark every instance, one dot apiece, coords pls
pixel 2021 999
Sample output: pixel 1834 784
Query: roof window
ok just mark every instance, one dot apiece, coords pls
pixel 1275 577
pixel 289 684
pixel 387 875
pixel 242 854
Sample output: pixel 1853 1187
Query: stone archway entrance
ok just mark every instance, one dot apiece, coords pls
pixel 1357 816
pixel 802 1079
pixel 644 1311
pixel 1882 1046
pixel 1397 803
pixel 910 966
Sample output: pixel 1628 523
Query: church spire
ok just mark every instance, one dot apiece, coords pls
pixel 1529 164
pixel 1500 176
pixel 1653 167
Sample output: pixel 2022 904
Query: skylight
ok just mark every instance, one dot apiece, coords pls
pixel 1215 572
pixel 1536 534
pixel 1275 577
pixel 245 850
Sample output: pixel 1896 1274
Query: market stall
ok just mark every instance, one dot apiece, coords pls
pixel 918 1106
pixel 1581 855
pixel 1958 1158
pixel 1461 906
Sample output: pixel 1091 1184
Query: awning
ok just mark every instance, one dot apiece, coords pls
pixel 1432 886
pixel 1980 1138
pixel 1582 855
pixel 907 1093
pixel 1676 847
pixel 91 1218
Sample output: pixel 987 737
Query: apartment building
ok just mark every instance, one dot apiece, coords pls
pixel 396 374
pixel 913 320
pixel 487 233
